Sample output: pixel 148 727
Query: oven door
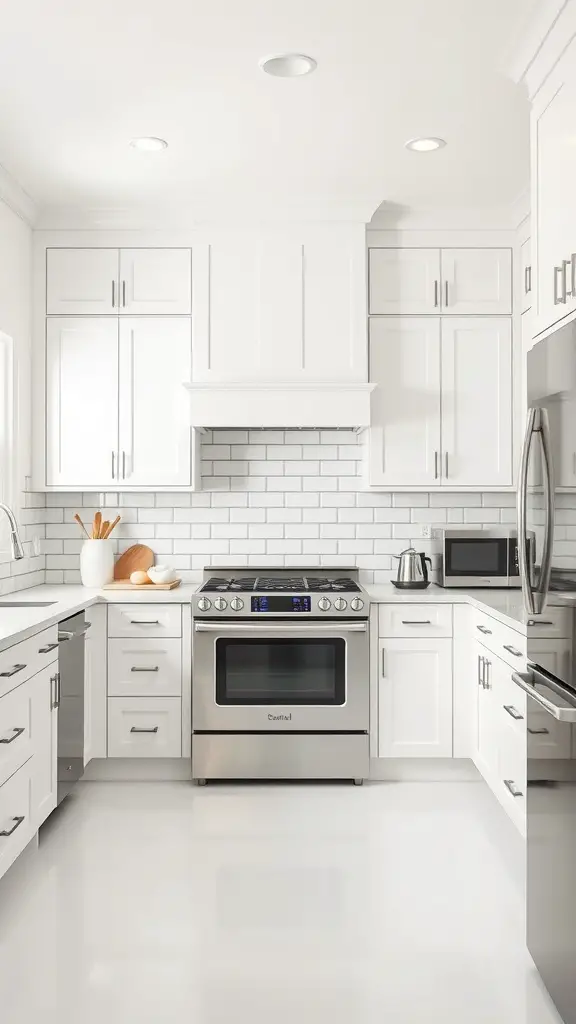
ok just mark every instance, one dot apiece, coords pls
pixel 265 676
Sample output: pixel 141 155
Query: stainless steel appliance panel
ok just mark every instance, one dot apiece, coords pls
pixel 280 756
pixel 71 636
pixel 480 558
pixel 551 841
pixel 330 691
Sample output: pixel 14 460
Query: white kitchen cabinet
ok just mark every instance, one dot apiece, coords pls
pixel 82 402
pixel 526 275
pixel 122 281
pixel 476 282
pixel 155 281
pixel 45 742
pixel 404 281
pixel 553 213
pixel 486 731
pixel 16 822
pixel 115 404
pixel 82 281
pixel 477 402
pixel 415 698
pixel 442 405
pixel 154 429
pixel 281 305
pixel 456 282
pixel 404 439
pixel 144 727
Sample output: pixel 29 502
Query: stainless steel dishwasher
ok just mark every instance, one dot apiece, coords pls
pixel 71 637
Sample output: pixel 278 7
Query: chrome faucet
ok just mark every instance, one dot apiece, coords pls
pixel 15 542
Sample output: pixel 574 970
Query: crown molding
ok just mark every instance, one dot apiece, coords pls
pixel 545 38
pixel 393 217
pixel 16 198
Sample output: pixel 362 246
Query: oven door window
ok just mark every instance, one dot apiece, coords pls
pixel 280 671
pixel 477 557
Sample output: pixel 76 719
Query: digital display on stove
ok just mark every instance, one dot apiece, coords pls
pixel 281 603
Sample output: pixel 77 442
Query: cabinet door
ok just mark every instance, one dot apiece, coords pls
pixel 404 440
pixel 45 742
pixel 415 698
pixel 81 281
pixel 476 281
pixel 404 281
pixel 155 437
pixel 81 402
pixel 476 402
pixel 155 281
pixel 486 758
pixel 526 275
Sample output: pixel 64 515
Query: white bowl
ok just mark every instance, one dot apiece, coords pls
pixel 161 574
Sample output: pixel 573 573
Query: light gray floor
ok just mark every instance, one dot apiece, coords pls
pixel 160 902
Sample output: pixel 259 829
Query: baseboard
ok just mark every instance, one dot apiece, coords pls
pixel 138 769
pixel 423 769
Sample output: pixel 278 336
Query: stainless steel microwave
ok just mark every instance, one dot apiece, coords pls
pixel 481 558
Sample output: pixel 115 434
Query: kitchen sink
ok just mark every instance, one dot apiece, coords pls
pixel 26 604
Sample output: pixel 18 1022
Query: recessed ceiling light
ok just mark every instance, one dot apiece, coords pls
pixel 425 145
pixel 288 65
pixel 148 144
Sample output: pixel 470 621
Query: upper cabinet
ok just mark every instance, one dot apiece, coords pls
pixel 118 281
pixel 450 281
pixel 284 306
pixel 553 208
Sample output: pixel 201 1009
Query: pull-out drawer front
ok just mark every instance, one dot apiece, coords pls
pixel 15 730
pixel 554 624
pixel 19 662
pixel 417 620
pixel 144 668
pixel 145 620
pixel 512 773
pixel 506 643
pixel 15 822
pixel 144 727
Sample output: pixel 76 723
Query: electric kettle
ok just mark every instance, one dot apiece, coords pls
pixel 412 570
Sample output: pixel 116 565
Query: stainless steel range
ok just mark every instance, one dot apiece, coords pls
pixel 280 675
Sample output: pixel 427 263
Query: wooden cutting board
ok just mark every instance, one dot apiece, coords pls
pixel 139 556
pixel 126 585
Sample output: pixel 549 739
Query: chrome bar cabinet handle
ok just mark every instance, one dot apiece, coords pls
pixel 573 275
pixel 435 465
pixel 483 629
pixel 512 787
pixel 436 295
pixel 123 294
pixel 47 648
pixel 144 622
pixel 17 822
pixel 539 732
pixel 136 729
pixel 526 278
pixel 136 668
pixel 446 293
pixel 416 622
pixel 446 465
pixel 17 731
pixel 512 650
pixel 12 671
pixel 557 298
pixel 113 294
pixel 113 465
pixel 123 465
pixel 513 713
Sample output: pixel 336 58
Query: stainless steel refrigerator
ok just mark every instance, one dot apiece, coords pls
pixel 546 495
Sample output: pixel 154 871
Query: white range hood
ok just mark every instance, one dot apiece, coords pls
pixel 277 404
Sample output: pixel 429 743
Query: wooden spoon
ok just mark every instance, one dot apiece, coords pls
pixel 96 526
pixel 106 533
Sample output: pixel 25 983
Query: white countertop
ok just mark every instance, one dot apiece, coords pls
pixel 19 623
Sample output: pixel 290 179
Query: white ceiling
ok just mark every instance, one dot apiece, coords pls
pixel 78 80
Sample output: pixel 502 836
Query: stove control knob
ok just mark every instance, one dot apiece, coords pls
pixel 220 604
pixel 236 604
pixel 204 604
pixel 324 604
pixel 356 604
pixel 340 604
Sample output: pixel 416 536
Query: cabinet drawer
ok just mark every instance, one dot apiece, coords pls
pixel 145 620
pixel 19 662
pixel 417 620
pixel 554 623
pixel 15 822
pixel 507 643
pixel 144 668
pixel 511 779
pixel 15 729
pixel 144 727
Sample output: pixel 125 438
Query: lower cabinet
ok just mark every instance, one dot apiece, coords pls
pixel 45 740
pixel 144 727
pixel 16 817
pixel 415 697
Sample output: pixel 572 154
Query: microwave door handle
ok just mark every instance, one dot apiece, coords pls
pixel 546 564
pixel 528 593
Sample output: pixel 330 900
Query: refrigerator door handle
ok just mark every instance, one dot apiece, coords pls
pixel 535 600
pixel 529 602
pixel 546 565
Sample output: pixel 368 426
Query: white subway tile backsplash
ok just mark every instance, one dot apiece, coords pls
pixel 271 498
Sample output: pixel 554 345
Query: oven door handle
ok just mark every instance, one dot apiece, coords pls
pixel 268 627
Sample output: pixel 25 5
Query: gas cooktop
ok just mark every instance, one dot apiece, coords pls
pixel 280 584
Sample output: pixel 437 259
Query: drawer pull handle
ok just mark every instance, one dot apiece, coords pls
pixel 416 622
pixel 144 622
pixel 513 713
pixel 539 732
pixel 8 831
pixel 47 649
pixel 136 729
pixel 12 672
pixel 135 668
pixel 540 622
pixel 512 650
pixel 484 630
pixel 512 787
pixel 17 731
